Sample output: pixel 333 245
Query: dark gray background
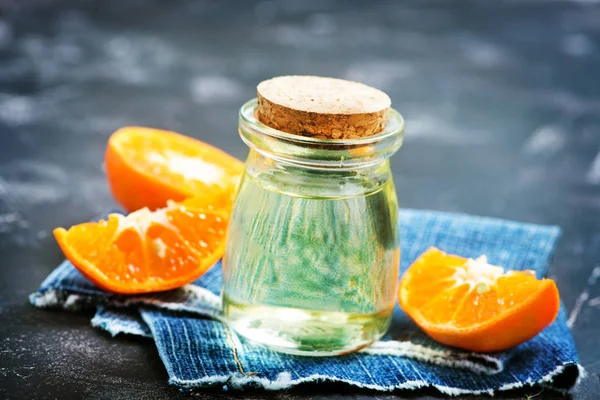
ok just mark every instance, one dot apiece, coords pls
pixel 501 98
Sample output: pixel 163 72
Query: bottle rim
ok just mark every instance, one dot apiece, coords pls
pixel 315 152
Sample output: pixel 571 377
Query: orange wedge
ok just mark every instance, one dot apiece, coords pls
pixel 473 305
pixel 147 251
pixel 146 167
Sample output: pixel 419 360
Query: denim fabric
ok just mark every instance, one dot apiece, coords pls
pixel 199 350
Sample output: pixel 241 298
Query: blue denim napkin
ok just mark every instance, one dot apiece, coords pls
pixel 199 350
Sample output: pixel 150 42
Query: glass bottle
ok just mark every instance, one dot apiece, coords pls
pixel 312 257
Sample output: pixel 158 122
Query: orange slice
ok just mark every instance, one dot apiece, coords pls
pixel 146 167
pixel 473 305
pixel 147 251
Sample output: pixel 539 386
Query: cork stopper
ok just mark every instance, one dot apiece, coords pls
pixel 324 108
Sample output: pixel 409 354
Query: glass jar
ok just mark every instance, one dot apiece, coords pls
pixel 312 257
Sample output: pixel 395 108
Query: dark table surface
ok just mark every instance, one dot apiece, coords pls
pixel 502 101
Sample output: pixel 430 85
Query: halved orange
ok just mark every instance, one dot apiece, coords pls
pixel 473 305
pixel 147 251
pixel 146 167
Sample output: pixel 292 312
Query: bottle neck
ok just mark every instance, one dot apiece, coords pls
pixel 318 168
pixel 299 180
pixel 321 154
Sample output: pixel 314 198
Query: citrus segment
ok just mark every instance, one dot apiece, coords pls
pixel 146 167
pixel 147 251
pixel 473 305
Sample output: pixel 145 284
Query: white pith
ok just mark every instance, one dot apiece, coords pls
pixel 478 274
pixel 141 220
